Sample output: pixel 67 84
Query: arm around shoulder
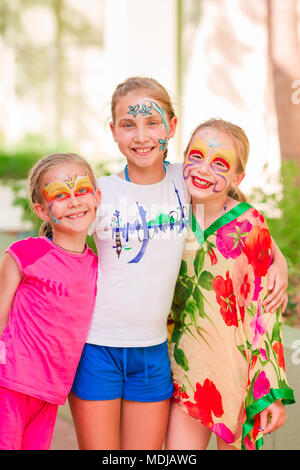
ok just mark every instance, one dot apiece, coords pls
pixel 10 278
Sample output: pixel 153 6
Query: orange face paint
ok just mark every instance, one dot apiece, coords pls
pixel 61 190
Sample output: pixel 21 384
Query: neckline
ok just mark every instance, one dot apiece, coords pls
pixel 224 219
pixel 141 186
pixel 126 171
pixel 66 252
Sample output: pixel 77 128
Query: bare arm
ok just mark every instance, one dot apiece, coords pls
pixel 10 278
pixel 277 282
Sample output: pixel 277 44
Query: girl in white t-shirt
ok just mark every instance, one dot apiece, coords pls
pixel 121 394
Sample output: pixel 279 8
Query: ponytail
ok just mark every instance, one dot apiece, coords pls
pixel 45 229
pixel 237 194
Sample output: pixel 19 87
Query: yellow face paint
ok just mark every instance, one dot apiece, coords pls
pixel 198 151
pixel 60 190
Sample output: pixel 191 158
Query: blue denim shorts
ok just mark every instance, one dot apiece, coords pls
pixel 135 374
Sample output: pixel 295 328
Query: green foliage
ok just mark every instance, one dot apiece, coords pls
pixel 16 161
pixel 286 229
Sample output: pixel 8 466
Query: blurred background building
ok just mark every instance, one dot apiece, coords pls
pixel 60 61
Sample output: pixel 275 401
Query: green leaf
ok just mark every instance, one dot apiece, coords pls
pixel 198 297
pixel 176 335
pixel 183 268
pixel 191 309
pixel 181 359
pixel 199 261
pixel 276 332
pixel 206 280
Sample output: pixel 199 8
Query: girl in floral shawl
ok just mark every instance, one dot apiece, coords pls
pixel 226 348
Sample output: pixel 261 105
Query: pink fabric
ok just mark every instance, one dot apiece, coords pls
pixel 26 423
pixel 49 320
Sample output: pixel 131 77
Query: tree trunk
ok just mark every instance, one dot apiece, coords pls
pixel 285 62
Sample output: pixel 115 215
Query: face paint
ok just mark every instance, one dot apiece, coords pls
pixel 58 191
pixel 220 161
pixel 144 111
pixel 213 144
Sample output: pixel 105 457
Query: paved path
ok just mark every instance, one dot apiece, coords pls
pixel 64 437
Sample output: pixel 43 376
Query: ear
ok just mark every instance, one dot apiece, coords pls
pixel 113 131
pixel 237 180
pixel 98 197
pixel 172 127
pixel 41 211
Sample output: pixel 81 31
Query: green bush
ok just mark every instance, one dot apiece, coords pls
pixel 285 230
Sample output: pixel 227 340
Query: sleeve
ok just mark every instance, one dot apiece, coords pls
pixel 26 252
pixel 267 380
pixel 18 251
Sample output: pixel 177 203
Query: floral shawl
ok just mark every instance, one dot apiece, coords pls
pixel 226 350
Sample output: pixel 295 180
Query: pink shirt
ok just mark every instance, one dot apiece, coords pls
pixel 49 320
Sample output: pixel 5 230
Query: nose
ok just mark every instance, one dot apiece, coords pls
pixel 73 200
pixel 204 168
pixel 141 134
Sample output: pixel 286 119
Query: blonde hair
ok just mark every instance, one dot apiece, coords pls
pixel 241 146
pixel 41 168
pixel 158 92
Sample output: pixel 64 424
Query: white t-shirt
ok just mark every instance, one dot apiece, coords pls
pixel 140 232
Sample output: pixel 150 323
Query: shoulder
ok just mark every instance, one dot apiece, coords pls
pixel 29 243
pixel 27 251
pixel 106 181
pixel 254 217
pixel 175 169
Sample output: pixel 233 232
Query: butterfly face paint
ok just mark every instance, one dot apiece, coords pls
pixel 210 161
pixel 145 110
pixel 58 191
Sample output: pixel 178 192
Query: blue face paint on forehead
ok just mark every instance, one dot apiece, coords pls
pixel 213 144
pixel 145 110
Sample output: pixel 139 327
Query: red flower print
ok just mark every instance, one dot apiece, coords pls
pixel 253 362
pixel 208 400
pixel 256 214
pixel 258 250
pixel 226 299
pixel 179 393
pixel 212 255
pixel 278 349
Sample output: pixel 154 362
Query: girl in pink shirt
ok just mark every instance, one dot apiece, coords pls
pixel 47 296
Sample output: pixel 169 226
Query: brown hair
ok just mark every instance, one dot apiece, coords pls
pixel 158 92
pixel 241 145
pixel 41 168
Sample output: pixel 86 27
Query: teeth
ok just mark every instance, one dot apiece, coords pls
pixel 203 183
pixel 143 150
pixel 75 215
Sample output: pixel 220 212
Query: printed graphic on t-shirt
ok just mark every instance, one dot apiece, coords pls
pixel 145 230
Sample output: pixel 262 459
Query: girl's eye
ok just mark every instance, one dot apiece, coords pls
pixel 154 123
pixel 82 191
pixel 127 125
pixel 61 196
pixel 196 156
pixel 221 164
